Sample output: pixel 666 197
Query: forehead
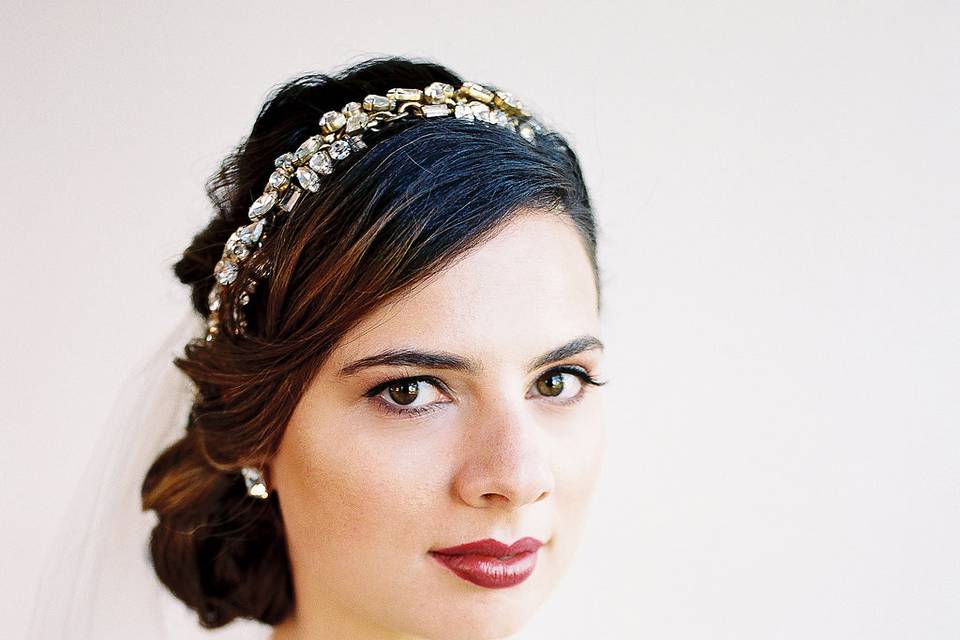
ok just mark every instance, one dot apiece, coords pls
pixel 526 290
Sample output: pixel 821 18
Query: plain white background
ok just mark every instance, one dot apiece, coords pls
pixel 777 188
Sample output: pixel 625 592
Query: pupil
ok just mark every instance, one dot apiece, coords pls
pixel 405 392
pixel 551 385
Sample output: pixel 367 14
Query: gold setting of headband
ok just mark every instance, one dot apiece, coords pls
pixel 340 136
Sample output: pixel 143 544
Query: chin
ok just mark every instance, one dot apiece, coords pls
pixel 465 612
pixel 491 626
pixel 483 615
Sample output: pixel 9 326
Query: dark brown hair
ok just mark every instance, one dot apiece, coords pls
pixel 422 195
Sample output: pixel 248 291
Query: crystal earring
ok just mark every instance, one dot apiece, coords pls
pixel 256 487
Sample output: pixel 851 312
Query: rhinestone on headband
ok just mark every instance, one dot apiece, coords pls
pixel 308 167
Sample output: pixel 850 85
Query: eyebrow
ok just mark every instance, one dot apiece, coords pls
pixel 454 362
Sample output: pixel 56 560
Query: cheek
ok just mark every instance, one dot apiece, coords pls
pixel 357 492
pixel 579 456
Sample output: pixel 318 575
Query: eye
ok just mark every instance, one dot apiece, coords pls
pixel 565 383
pixel 411 393
pixel 408 396
pixel 558 384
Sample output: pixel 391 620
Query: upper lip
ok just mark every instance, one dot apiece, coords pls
pixel 491 547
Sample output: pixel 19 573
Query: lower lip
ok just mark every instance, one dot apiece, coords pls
pixel 490 572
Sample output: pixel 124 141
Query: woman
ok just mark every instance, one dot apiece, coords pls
pixel 397 423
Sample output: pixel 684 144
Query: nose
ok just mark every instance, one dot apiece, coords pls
pixel 506 461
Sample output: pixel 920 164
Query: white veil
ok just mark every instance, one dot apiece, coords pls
pixel 98 581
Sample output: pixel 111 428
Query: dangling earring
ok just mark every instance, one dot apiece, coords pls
pixel 256 487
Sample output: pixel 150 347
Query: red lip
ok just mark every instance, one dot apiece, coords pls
pixel 490 563
pixel 491 547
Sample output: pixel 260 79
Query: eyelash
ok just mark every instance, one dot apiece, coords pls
pixel 585 377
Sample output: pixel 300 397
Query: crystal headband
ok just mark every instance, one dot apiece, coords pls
pixel 307 167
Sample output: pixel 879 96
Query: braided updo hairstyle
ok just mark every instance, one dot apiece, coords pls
pixel 422 195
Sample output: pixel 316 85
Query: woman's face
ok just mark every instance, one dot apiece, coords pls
pixel 488 433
